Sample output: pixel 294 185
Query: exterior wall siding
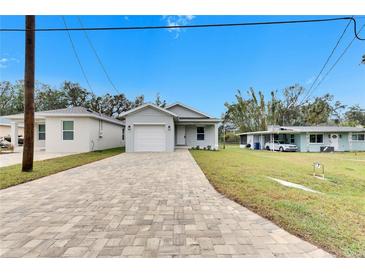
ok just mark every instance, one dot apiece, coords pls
pixel 344 143
pixel 54 141
pixel 149 116
pixel 355 145
pixel 184 112
pixel 111 135
pixel 210 136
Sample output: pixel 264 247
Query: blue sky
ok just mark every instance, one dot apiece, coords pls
pixel 200 67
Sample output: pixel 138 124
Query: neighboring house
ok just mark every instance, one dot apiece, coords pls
pixel 5 128
pixel 152 128
pixel 74 129
pixel 308 138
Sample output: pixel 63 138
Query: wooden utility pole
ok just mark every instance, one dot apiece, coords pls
pixel 28 147
pixel 224 136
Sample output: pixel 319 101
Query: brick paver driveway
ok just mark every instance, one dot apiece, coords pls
pixel 133 205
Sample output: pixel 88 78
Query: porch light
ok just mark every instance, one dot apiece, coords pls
pixel 169 127
pixel 129 127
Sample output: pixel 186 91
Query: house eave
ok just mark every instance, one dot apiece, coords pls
pixel 137 109
pixel 190 108
pixel 43 116
pixel 182 121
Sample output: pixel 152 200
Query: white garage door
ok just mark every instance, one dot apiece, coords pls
pixel 149 138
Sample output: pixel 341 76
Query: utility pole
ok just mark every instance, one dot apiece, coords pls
pixel 224 135
pixel 28 147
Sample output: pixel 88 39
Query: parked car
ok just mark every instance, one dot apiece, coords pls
pixel 20 139
pixel 4 143
pixel 280 146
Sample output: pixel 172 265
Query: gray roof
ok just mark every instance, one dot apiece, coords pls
pixel 205 119
pixel 301 129
pixel 4 121
pixel 73 111
pixel 323 129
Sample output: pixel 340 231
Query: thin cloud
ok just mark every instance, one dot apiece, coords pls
pixel 177 20
pixel 310 80
pixel 4 61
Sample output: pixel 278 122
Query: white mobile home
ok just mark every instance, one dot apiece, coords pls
pixel 308 138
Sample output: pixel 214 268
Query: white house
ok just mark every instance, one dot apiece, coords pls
pixel 308 138
pixel 5 128
pixel 144 128
pixel 75 129
pixel 152 128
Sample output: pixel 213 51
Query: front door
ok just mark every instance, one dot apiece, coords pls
pixel 334 141
pixel 180 135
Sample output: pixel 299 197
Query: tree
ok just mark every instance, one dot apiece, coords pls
pixel 355 116
pixel 254 113
pixel 247 114
pixel 48 98
pixel 290 112
pixel 18 100
pixel 139 100
pixel 159 102
pixel 7 94
pixel 321 110
pixel 76 95
pixel 274 109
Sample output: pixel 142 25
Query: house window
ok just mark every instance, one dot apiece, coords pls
pixel 316 138
pixel 68 130
pixel 200 133
pixel 41 132
pixel 358 136
pixel 123 131
pixel 292 139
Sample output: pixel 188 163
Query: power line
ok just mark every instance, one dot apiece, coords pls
pixel 97 56
pixel 325 64
pixel 193 26
pixel 338 59
pixel 76 55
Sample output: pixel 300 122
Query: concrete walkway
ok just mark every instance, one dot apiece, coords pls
pixel 136 205
pixel 9 159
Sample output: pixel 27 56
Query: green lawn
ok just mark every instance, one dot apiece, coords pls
pixel 334 221
pixel 12 175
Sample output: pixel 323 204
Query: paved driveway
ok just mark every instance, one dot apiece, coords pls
pixel 16 157
pixel 132 205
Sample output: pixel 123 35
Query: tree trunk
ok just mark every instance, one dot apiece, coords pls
pixel 28 147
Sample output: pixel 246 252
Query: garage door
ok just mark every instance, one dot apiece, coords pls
pixel 149 138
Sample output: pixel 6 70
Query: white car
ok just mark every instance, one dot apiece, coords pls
pixel 280 146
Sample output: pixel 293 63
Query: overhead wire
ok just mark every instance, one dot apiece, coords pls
pixel 193 26
pixel 77 55
pixel 97 56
